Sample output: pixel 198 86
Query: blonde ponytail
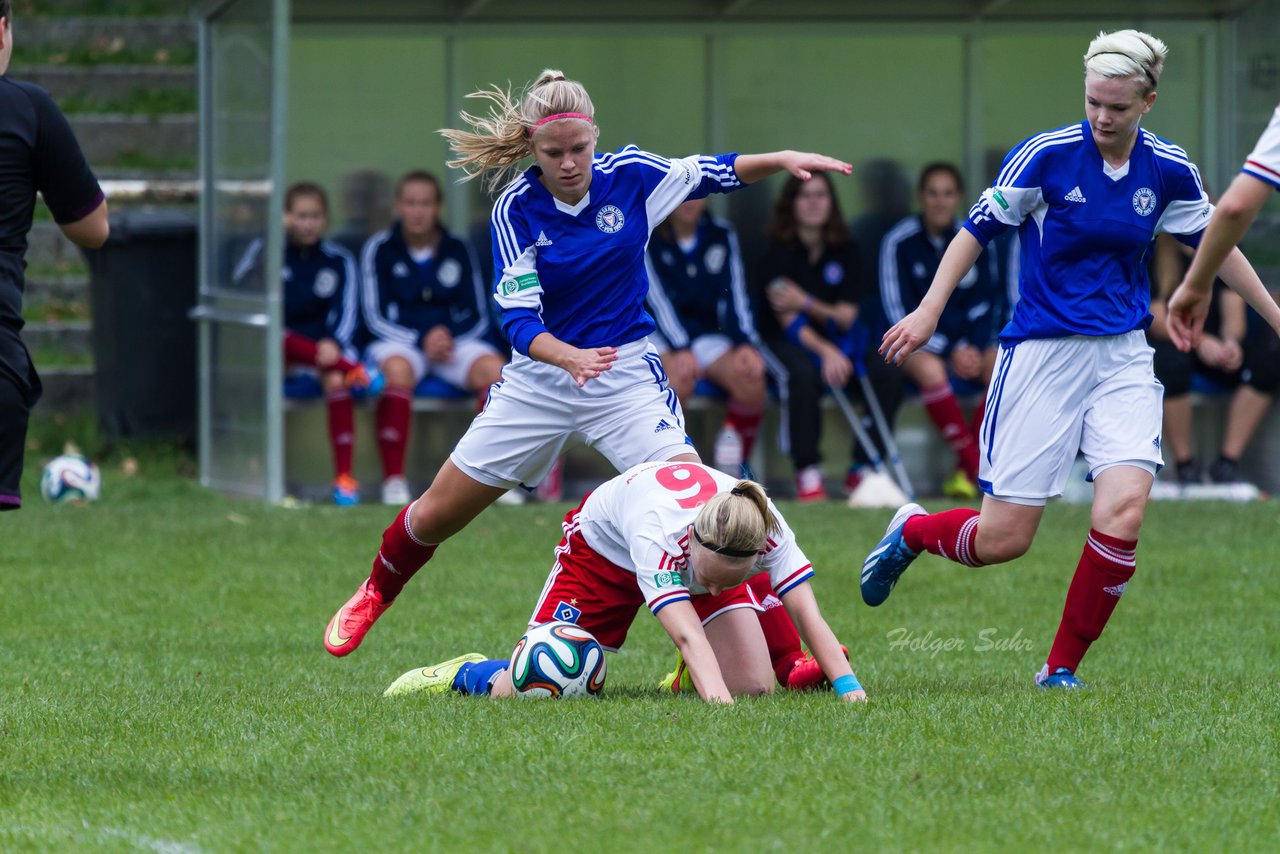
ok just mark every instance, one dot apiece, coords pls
pixel 496 143
pixel 738 520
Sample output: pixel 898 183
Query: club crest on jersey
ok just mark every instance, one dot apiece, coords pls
pixel 567 613
pixel 609 219
pixel 326 284
pixel 450 273
pixel 715 258
pixel 1144 201
pixel 400 270
pixel 833 273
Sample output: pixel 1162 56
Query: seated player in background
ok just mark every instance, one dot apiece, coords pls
pixel 698 299
pixel 681 538
pixel 321 314
pixel 424 304
pixel 1236 351
pixel 964 343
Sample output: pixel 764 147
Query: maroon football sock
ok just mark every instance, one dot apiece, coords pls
pixel 1105 567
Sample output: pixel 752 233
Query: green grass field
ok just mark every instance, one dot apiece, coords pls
pixel 165 689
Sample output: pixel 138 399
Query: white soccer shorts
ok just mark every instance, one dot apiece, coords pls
pixel 465 354
pixel 628 414
pixel 1052 397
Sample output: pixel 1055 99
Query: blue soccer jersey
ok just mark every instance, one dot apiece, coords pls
pixel 701 290
pixel 909 258
pixel 404 299
pixel 578 271
pixel 1086 229
pixel 321 292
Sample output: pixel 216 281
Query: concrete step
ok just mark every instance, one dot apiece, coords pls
pixel 65 389
pixel 109 83
pixel 162 34
pixel 70 339
pixel 56 298
pixel 111 138
pixel 48 249
pixel 59 288
pixel 107 172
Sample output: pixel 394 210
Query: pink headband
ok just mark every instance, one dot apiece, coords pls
pixel 555 117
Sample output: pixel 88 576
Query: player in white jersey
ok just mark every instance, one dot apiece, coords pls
pixel 1236 211
pixel 1074 372
pixel 569 237
pixel 680 538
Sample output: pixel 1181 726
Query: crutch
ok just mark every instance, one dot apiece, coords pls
pixel 859 431
pixel 858 355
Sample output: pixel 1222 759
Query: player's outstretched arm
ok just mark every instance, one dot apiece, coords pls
pixel 1232 217
pixel 752 167
pixel 913 331
pixel 685 629
pixel 814 631
pixel 581 364
pixel 91 230
pixel 1239 274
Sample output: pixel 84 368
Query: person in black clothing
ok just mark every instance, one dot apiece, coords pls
pixel 1237 351
pixel 38 153
pixel 810 280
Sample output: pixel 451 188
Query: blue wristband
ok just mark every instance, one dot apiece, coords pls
pixel 846 685
pixel 794 327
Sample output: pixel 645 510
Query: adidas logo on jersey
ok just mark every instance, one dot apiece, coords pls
pixel 542 240
pixel 663 425
pixel 1075 196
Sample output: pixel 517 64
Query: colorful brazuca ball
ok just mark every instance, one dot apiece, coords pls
pixel 557 660
pixel 70 478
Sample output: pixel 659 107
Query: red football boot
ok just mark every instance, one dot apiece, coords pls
pixel 806 675
pixel 354 619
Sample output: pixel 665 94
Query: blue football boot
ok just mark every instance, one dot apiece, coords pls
pixel 1059 678
pixel 889 559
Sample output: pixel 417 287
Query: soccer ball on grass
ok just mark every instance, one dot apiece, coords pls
pixel 70 477
pixel 557 660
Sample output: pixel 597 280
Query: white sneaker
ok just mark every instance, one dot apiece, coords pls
pixel 877 489
pixel 727 453
pixel 809 485
pixel 395 490
pixel 513 497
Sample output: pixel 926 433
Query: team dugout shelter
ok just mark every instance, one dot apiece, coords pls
pixel 322 89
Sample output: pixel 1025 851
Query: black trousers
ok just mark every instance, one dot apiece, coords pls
pixel 803 393
pixel 19 390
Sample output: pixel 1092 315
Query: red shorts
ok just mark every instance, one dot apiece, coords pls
pixel 603 598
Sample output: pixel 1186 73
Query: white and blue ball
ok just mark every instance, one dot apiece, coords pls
pixel 557 660
pixel 70 477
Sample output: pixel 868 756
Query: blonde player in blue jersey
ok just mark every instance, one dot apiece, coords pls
pixel 1074 372
pixel 569 237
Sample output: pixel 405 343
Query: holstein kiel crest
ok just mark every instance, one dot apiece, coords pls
pixel 609 219
pixel 1144 201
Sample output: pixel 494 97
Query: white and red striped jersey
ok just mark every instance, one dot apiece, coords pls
pixel 1264 162
pixel 640 521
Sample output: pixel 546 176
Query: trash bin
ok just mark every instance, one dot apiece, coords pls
pixel 142 284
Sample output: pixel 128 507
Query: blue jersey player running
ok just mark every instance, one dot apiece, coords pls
pixel 1074 373
pixel 569 238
